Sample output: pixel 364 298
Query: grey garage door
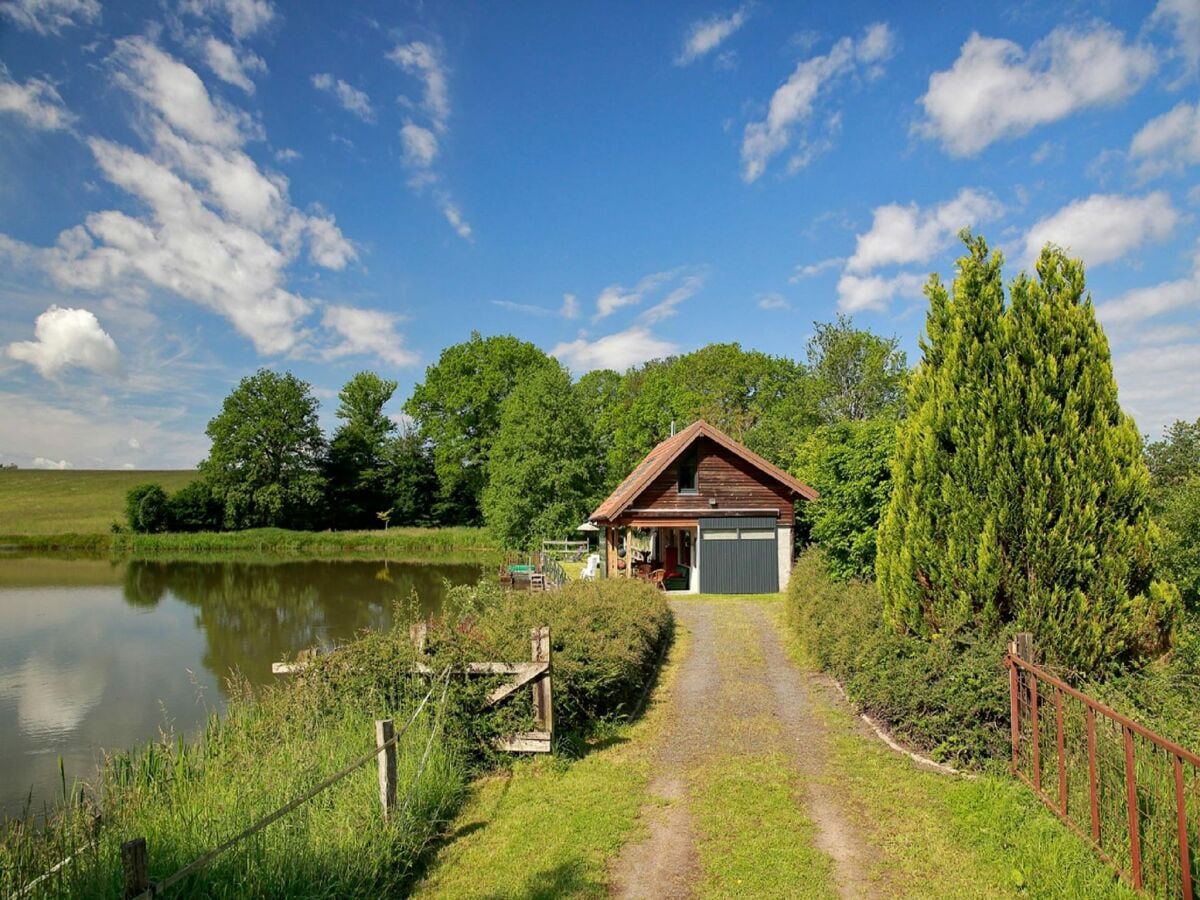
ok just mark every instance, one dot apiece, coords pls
pixel 739 556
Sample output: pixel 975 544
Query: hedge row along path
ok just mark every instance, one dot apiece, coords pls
pixel 741 712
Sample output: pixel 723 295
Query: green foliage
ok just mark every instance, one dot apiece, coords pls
pixel 411 480
pixel 358 480
pixel 266 454
pixel 849 463
pixel 457 410
pixel 856 375
pixel 757 399
pixel 195 508
pixel 1174 465
pixel 1176 457
pixel 947 696
pixel 147 509
pixel 1020 494
pixel 542 472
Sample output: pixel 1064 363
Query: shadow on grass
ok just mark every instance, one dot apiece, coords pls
pixel 568 879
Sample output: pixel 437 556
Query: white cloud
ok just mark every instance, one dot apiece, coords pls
pixel 420 145
pixel 36 101
pixel 875 292
pixel 620 351
pixel 705 35
pixel 66 338
pixel 422 61
pixel 367 332
pixel 246 17
pixel 570 307
pixel 1144 303
pixel 349 97
pixel 217 230
pixel 816 268
pixel 793 102
pixel 1159 384
pixel 666 307
pixel 996 90
pixel 773 300
pixel 49 16
pixel 616 296
pixel 1183 17
pixel 229 66
pixel 455 217
pixel 908 234
pixel 41 462
pixel 287 155
pixel 1104 227
pixel 1169 142
pixel 177 94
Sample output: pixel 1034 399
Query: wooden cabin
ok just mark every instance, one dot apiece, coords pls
pixel 702 513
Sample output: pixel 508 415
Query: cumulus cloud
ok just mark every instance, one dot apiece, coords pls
pixel 705 35
pixel 1104 227
pixel 216 230
pixel 996 89
pixel 49 16
pixel 367 332
pixel 1183 18
pixel 36 101
pixel 1160 384
pixel 619 351
pixel 875 292
pixel 231 66
pixel 348 97
pixel 245 17
pixel 41 462
pixel 424 62
pixel 66 338
pixel 1168 143
pixel 794 102
pixel 900 235
pixel 1146 302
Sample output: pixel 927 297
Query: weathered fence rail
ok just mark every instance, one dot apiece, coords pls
pixel 1133 794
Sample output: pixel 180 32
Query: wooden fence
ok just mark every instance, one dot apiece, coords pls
pixel 1132 794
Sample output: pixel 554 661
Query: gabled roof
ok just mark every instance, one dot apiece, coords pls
pixel 658 459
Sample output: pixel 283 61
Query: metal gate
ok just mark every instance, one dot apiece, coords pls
pixel 739 555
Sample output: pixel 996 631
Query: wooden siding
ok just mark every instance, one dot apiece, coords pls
pixel 735 484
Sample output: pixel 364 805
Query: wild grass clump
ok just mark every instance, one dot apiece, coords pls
pixel 186 797
pixel 948 696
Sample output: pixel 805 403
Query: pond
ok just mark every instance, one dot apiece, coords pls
pixel 98 655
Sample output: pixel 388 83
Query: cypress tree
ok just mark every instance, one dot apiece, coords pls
pixel 1021 495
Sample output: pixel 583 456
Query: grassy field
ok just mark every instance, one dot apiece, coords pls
pixel 80 502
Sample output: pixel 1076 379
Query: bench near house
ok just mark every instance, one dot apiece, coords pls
pixel 715 517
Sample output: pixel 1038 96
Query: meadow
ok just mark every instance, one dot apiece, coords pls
pixel 33 501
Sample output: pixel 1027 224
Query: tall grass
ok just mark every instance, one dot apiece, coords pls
pixel 276 542
pixel 185 798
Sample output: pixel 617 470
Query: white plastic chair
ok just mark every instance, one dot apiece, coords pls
pixel 592 567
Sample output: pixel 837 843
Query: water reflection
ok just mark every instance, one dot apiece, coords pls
pixel 99 655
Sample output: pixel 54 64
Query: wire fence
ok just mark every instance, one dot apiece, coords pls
pixel 1134 795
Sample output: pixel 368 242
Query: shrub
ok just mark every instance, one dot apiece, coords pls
pixel 194 507
pixel 950 698
pixel 147 509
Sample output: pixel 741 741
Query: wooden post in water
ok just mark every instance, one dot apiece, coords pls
pixel 384 733
pixel 135 864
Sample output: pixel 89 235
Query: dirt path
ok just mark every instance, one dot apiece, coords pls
pixel 737 698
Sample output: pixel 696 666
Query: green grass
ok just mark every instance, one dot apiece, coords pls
pixel 551 826
pixel 395 543
pixel 79 502
pixel 185 798
pixel 754 837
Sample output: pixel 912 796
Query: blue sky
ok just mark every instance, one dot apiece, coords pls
pixel 192 189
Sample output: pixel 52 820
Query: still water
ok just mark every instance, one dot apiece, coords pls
pixel 98 655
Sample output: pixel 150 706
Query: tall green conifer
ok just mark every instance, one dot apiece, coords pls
pixel 1021 495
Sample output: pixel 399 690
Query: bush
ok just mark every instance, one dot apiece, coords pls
pixel 948 697
pixel 194 507
pixel 147 509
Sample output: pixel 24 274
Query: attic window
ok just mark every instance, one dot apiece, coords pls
pixel 687 473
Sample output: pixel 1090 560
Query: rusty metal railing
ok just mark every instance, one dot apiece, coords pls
pixel 1133 794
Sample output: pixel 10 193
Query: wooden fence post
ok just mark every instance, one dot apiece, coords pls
pixel 1024 645
pixel 384 733
pixel 543 701
pixel 417 633
pixel 135 863
pixel 1014 707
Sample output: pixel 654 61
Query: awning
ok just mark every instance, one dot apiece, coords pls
pixel 588 526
